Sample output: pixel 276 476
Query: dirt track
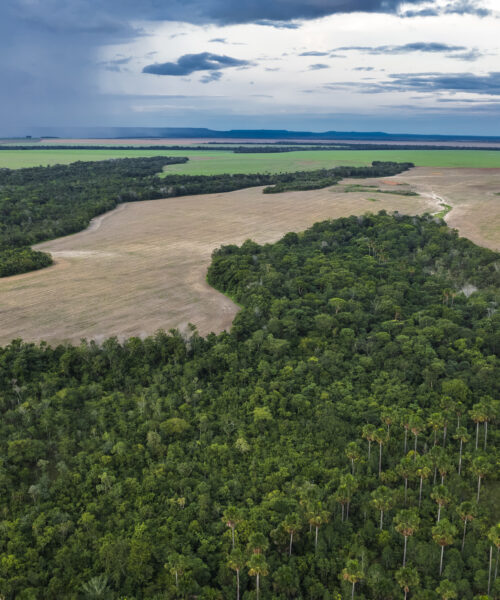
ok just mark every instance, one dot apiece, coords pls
pixel 142 267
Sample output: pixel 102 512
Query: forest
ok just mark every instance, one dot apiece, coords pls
pixel 41 203
pixel 340 441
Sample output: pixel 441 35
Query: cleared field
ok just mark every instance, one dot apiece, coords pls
pixel 210 162
pixel 142 266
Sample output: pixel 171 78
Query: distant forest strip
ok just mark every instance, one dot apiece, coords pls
pixel 42 203
pixel 250 148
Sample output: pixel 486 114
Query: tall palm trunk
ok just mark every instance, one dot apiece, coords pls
pixel 489 570
pixel 439 513
pixel 404 553
pixel 485 433
pixel 415 448
pixel 291 542
pixel 460 458
pixel 441 563
pixel 420 492
pixel 237 584
pixel 477 432
pixel 352 593
pixel 463 537
pixel 316 539
pixel 381 519
pixel 258 588
pixel 478 488
pixel 444 435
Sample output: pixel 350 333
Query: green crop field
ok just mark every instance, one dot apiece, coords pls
pixel 208 162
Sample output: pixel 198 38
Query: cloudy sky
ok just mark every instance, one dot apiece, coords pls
pixel 422 66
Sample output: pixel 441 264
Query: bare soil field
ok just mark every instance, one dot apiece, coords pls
pixel 142 267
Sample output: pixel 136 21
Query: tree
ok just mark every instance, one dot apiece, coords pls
pixel 352 573
pixel 480 467
pixel 447 590
pixel 494 537
pixel 443 534
pixel 423 471
pixel 257 567
pixel 436 422
pixel 236 562
pixel 406 523
pixel 406 469
pixel 317 516
pixel 291 524
pixel 369 435
pixel 462 435
pixel 441 495
pixel 381 438
pixel 417 425
pixel 407 577
pixel 478 414
pixel 353 453
pixel 382 500
pixel 467 512
pixel 231 517
pixel 96 588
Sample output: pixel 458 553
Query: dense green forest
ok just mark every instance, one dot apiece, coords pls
pixel 340 441
pixel 40 203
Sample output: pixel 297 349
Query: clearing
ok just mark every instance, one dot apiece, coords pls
pixel 142 266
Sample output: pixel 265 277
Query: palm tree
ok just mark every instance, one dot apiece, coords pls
pixel 353 453
pixel 480 467
pixel 96 588
pixel 405 422
pixel 317 517
pixel 291 524
pixel 467 512
pixel 407 522
pixel 479 415
pixel 447 590
pixel 381 438
pixel 406 469
pixel 423 471
pixel 382 500
pixel 407 577
pixel 416 427
pixel 231 518
pixel 435 422
pixel 447 406
pixel 352 573
pixel 462 435
pixel 257 567
pixel 236 562
pixel 494 537
pixel 177 565
pixel 369 435
pixel 441 496
pixel 388 417
pixel 443 534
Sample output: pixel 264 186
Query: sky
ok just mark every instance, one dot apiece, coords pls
pixel 421 66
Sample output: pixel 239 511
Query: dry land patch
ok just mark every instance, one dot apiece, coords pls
pixel 142 267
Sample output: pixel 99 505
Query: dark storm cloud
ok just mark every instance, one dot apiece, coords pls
pixel 456 7
pixel 213 76
pixel 189 63
pixel 314 53
pixel 405 49
pixel 318 67
pixel 427 83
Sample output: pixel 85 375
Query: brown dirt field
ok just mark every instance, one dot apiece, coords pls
pixel 142 266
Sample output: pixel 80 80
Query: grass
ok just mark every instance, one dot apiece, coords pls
pixel 209 162
pixel 442 213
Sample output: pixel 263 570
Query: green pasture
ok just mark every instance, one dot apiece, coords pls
pixel 210 162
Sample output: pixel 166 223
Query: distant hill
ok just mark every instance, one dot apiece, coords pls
pixel 257 134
